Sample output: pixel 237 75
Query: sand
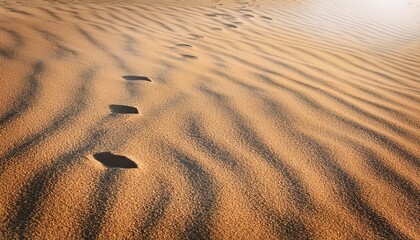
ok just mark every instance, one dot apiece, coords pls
pixel 220 119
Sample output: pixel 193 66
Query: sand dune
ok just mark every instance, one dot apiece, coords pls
pixel 221 119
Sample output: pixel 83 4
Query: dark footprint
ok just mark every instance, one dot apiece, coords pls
pixel 231 26
pixel 136 78
pixel 123 109
pixel 184 45
pixel 264 17
pixel 189 56
pixel 111 160
pixel 249 16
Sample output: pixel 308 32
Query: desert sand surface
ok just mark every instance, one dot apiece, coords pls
pixel 225 119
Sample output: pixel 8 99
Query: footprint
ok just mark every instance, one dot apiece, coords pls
pixel 123 109
pixel 249 16
pixel 195 36
pixel 264 17
pixel 230 25
pixel 184 45
pixel 110 160
pixel 136 78
pixel 187 56
pixel 211 14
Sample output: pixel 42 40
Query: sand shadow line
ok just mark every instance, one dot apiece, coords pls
pixel 111 160
pixel 136 78
pixel 123 109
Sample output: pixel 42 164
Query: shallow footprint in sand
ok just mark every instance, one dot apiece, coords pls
pixel 184 45
pixel 187 56
pixel 195 36
pixel 231 25
pixel 136 78
pixel 267 18
pixel 110 160
pixel 211 14
pixel 123 109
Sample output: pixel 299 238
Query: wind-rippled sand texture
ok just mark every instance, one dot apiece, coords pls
pixel 245 119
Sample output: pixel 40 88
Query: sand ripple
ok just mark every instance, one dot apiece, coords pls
pixel 220 119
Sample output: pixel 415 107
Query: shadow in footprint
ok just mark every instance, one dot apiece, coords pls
pixel 267 18
pixel 111 160
pixel 231 26
pixel 136 78
pixel 211 14
pixel 123 109
pixel 187 56
pixel 184 45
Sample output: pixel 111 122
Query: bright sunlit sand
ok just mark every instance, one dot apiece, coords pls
pixel 212 119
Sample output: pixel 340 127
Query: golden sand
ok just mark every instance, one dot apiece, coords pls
pixel 220 119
